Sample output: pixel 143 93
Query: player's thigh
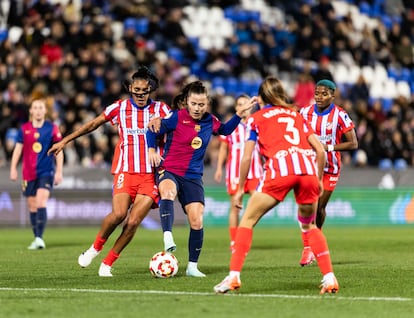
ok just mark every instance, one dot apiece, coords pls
pixel 195 211
pixel 140 208
pixel 258 205
pixel 120 204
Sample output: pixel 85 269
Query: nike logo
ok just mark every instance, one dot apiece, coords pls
pixel 186 121
pixel 198 249
pixel 165 214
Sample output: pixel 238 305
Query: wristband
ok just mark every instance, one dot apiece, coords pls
pixel 330 148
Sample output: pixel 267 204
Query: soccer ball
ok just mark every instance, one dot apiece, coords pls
pixel 163 265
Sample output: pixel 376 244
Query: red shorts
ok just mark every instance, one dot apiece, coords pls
pixel 330 181
pixel 306 188
pixel 136 183
pixel 249 186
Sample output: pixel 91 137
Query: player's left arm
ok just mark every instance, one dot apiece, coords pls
pixel 168 123
pixel 350 141
pixel 59 168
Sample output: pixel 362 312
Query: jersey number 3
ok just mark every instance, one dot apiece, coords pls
pixel 292 133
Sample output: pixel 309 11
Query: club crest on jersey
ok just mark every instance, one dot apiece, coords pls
pixel 196 143
pixel 329 126
pixel 197 128
pixel 36 135
pixel 37 147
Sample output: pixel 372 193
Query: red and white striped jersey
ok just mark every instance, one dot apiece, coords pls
pixel 131 152
pixel 329 125
pixel 282 135
pixel 235 145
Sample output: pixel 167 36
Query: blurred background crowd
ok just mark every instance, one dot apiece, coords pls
pixel 80 52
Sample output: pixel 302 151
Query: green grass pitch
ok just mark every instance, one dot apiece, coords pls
pixel 374 267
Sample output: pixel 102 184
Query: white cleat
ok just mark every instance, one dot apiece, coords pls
pixel 85 259
pixel 169 245
pixel 105 270
pixel 194 272
pixel 37 244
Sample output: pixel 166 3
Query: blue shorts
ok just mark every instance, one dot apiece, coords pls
pixel 189 190
pixel 30 187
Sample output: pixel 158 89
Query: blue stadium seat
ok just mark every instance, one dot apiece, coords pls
pixel 231 85
pixel 387 21
pixel 130 23
pixel 405 75
pixel 400 164
pixel 176 54
pixel 386 104
pixel 385 164
pixel 141 25
pixel 365 8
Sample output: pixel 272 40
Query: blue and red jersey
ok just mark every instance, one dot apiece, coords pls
pixel 36 142
pixel 187 141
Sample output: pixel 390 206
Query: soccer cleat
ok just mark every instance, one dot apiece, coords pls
pixel 194 272
pixel 307 257
pixel 85 259
pixel 37 244
pixel 105 270
pixel 169 245
pixel 228 283
pixel 329 284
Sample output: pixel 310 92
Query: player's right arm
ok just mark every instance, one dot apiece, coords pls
pixel 17 152
pixel 85 129
pixel 320 158
pixel 245 162
pixel 221 160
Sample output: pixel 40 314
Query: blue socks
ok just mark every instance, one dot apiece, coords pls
pixel 195 243
pixel 33 222
pixel 167 215
pixel 41 221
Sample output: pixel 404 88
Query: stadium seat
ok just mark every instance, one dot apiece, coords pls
pixel 130 23
pixel 385 164
pixel 176 54
pixel 365 8
pixel 400 164
pixel 368 74
pixel 141 26
pixel 3 35
pixel 403 89
pixel 386 104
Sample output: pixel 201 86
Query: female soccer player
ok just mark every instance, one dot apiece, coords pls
pixel 288 146
pixel 181 168
pixel 134 182
pixel 336 131
pixel 40 171
pixel 230 153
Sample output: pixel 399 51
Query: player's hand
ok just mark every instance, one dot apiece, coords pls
pixel 238 199
pixel 218 175
pixel 247 107
pixel 56 148
pixel 13 174
pixel 154 124
pixel 58 178
pixel 154 157
pixel 320 188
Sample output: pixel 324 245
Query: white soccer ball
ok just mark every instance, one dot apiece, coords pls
pixel 163 265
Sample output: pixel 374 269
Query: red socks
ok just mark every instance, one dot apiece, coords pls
pixel 317 242
pixel 242 246
pixel 99 243
pixel 110 258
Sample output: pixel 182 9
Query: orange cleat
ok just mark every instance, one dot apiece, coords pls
pixel 329 284
pixel 307 257
pixel 228 283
